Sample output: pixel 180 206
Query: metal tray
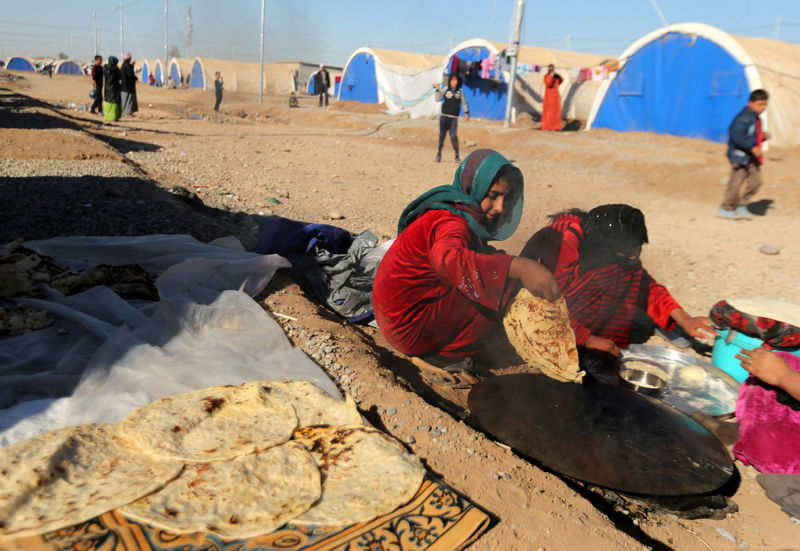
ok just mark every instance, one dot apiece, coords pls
pixel 716 395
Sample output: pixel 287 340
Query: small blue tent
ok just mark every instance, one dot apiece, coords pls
pixel 158 72
pixel 147 67
pixel 690 79
pixel 20 64
pixel 67 67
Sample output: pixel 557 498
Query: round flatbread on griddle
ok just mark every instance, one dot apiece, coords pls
pixel 241 498
pixel 212 424
pixel 70 475
pixel 365 473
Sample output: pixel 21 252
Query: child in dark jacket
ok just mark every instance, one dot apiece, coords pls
pixel 745 154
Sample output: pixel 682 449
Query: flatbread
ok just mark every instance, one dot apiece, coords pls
pixel 212 424
pixel 365 473
pixel 313 405
pixel 242 498
pixel 693 374
pixel 70 475
pixel 541 333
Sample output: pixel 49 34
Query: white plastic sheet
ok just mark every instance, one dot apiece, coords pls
pixel 105 356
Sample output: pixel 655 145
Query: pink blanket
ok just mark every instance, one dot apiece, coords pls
pixel 769 432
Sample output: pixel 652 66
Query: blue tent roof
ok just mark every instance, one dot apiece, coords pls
pixel 19 64
pixel 68 67
pixel 198 78
pixel 679 84
pixel 358 81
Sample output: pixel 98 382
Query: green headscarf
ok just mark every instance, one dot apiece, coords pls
pixel 471 184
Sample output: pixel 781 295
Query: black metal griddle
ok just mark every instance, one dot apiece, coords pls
pixel 606 436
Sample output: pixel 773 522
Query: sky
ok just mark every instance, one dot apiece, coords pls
pixel 328 31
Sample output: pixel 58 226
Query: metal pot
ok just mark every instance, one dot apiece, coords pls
pixel 641 381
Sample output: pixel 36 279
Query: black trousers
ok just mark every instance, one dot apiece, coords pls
pixel 98 102
pixel 219 100
pixel 325 95
pixel 448 124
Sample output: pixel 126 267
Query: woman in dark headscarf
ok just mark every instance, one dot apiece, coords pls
pixel 112 92
pixel 594 256
pixel 440 287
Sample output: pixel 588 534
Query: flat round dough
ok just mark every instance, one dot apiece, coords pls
pixel 70 475
pixel 213 424
pixel 693 374
pixel 313 405
pixel 241 498
pixel 779 310
pixel 365 474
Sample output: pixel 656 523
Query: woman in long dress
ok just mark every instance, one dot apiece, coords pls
pixel 551 107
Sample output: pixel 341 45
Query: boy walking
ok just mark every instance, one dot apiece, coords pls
pixel 745 154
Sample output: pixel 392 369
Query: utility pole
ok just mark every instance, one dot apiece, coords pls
pixel 166 31
pixel 70 46
pixel 261 61
pixel 569 41
pixel 778 26
pixel 121 42
pixel 95 32
pixel 513 51
pixel 189 52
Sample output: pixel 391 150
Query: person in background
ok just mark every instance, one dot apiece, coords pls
pixel 293 100
pixel 551 106
pixel 746 157
pixel 217 89
pixel 322 82
pixel 112 91
pixel 594 256
pixel 97 83
pixel 454 101
pixel 440 287
pixel 128 85
pixel 151 80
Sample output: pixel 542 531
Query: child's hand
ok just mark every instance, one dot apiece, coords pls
pixel 603 345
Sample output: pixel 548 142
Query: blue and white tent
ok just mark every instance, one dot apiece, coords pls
pixel 67 67
pixel 17 63
pixel 179 71
pixel 158 72
pixel 690 79
pixel 486 95
pixel 147 68
pixel 403 81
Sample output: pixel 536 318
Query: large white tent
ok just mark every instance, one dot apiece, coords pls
pixel 242 76
pixel 690 79
pixel 400 80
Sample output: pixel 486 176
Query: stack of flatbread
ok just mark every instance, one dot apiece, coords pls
pixel 237 461
pixel 541 333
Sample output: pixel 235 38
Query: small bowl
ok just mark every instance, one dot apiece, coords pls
pixel 641 381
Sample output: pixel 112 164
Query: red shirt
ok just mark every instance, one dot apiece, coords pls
pixel 601 301
pixel 434 293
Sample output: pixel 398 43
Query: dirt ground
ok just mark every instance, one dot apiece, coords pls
pixel 178 167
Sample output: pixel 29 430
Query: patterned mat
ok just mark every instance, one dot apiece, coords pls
pixel 436 519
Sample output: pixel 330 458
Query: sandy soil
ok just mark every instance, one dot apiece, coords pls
pixel 199 172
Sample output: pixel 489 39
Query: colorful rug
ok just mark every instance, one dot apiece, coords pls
pixel 436 519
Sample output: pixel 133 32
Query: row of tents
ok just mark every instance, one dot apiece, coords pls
pixel 688 79
pixel 60 66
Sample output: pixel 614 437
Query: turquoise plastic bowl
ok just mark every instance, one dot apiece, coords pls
pixel 724 355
